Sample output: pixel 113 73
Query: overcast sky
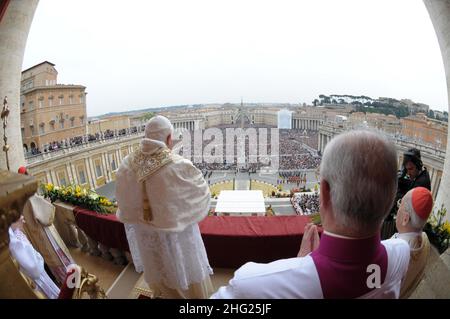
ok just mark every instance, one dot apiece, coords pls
pixel 136 54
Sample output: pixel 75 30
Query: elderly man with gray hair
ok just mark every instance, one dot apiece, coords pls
pixel 412 215
pixel 357 189
pixel 161 197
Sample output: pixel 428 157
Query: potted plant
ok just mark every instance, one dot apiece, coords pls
pixel 438 230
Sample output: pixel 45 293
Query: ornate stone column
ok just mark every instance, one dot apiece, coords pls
pixel 14 28
pixel 439 12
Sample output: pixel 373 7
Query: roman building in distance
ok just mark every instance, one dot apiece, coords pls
pixel 49 111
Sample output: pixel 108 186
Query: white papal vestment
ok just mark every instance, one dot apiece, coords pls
pixel 161 198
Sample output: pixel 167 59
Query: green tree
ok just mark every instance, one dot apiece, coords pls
pixel 147 116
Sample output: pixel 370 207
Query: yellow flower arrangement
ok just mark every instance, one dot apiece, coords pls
pixel 78 196
pixel 438 231
pixel 446 227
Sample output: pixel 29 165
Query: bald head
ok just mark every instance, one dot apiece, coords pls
pixel 360 168
pixel 158 128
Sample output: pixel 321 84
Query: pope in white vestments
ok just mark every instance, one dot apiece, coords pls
pixel 161 197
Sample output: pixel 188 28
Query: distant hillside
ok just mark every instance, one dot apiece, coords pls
pixel 383 105
pixel 152 109
pixel 193 106
pixel 365 104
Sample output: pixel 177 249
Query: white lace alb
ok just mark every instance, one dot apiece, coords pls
pixel 176 259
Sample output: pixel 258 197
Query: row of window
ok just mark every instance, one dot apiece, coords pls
pixel 82 180
pixel 50 102
pixel 50 82
pixel 30 83
pixel 27 85
pixel 52 126
pixel 62 175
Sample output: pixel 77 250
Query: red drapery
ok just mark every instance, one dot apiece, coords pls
pixel 230 241
pixel 3 7
pixel 105 229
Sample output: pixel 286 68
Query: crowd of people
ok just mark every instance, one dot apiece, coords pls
pixel 291 140
pixel 221 142
pixel 292 151
pixel 305 204
pixel 297 149
pixel 305 161
pixel 291 177
pixel 79 140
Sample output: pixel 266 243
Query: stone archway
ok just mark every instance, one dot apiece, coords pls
pixel 15 21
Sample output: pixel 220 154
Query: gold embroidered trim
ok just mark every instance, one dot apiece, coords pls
pixel 148 214
pixel 145 165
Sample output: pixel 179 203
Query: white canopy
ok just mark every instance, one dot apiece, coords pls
pixel 241 201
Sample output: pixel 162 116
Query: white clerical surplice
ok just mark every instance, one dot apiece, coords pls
pixel 31 263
